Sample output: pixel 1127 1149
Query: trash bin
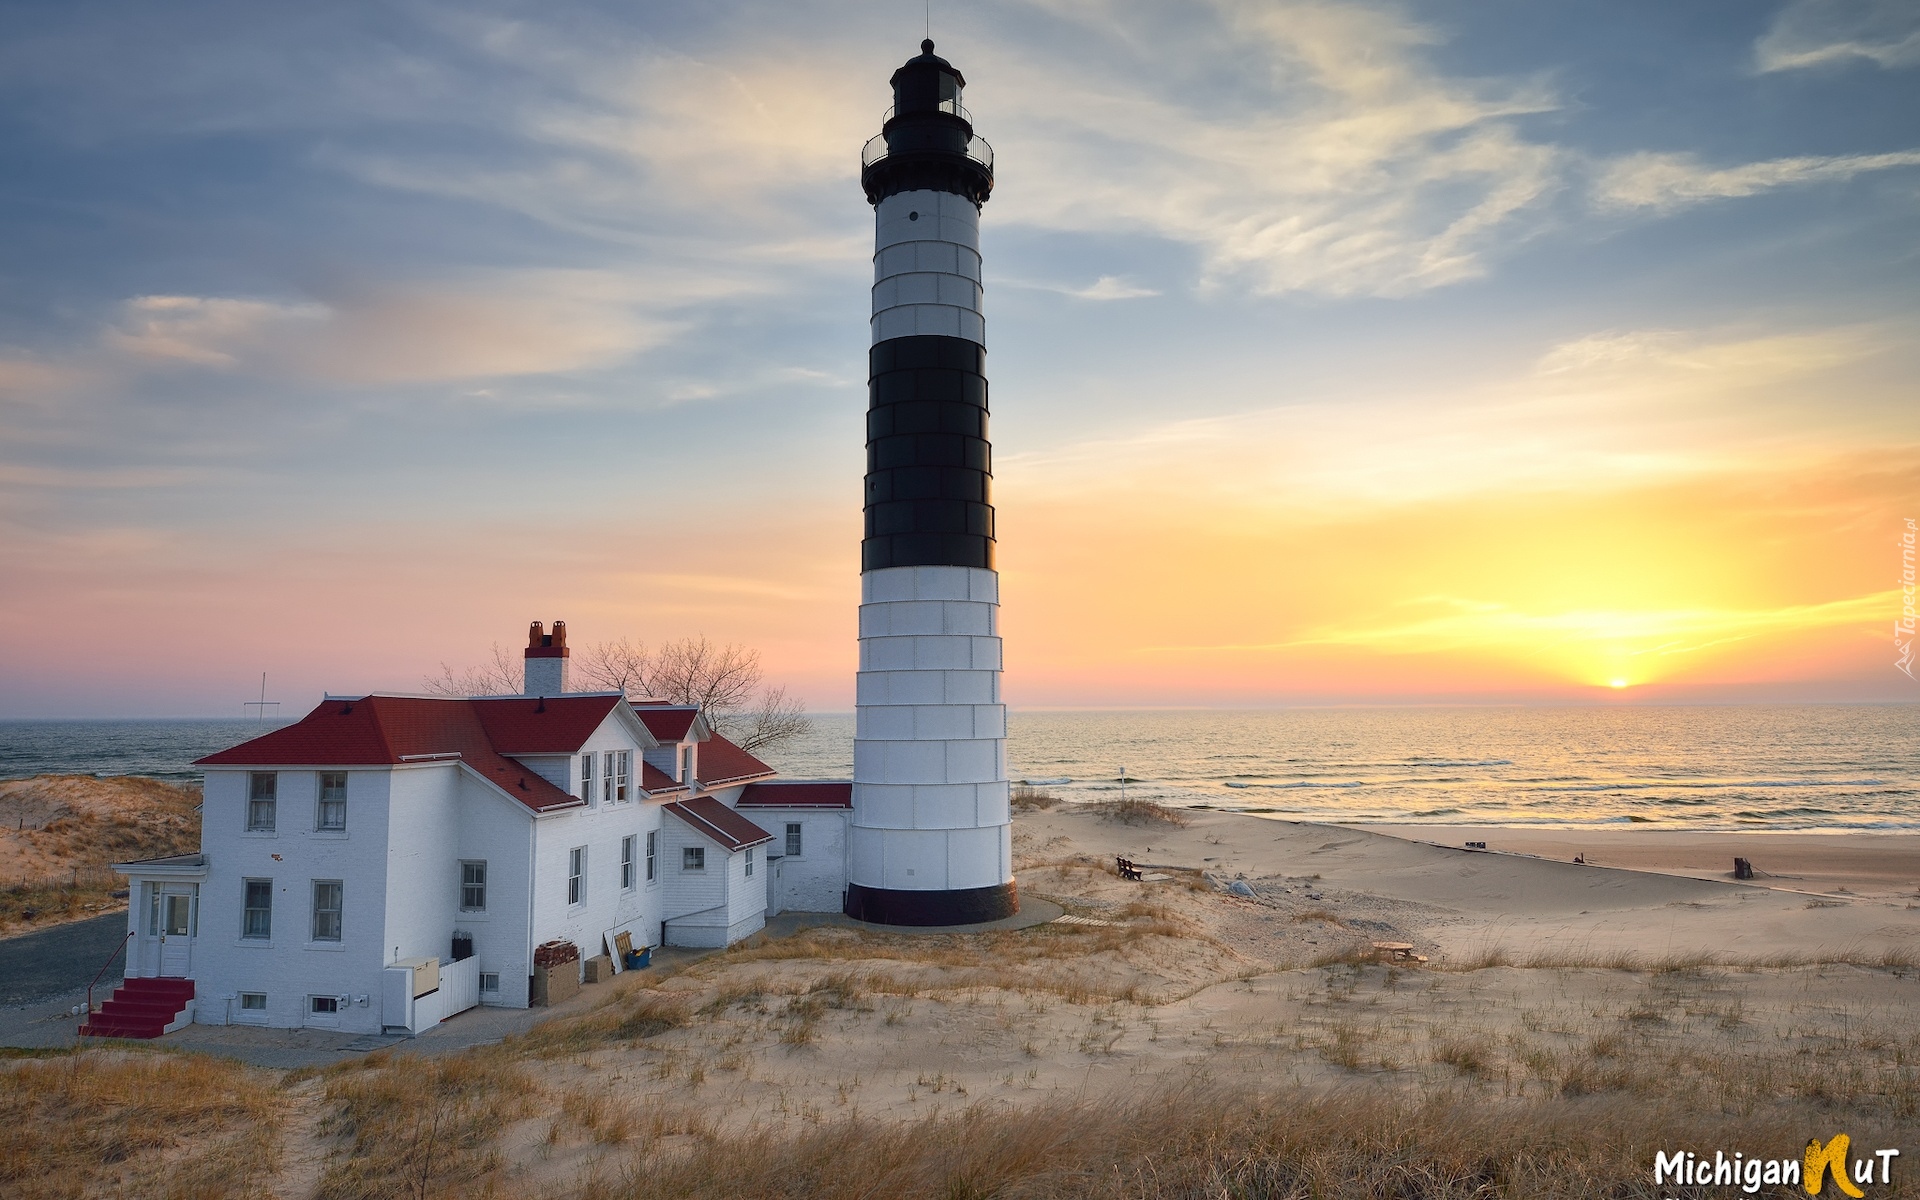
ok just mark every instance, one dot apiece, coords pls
pixel 639 958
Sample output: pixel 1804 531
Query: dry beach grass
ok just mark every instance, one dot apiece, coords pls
pixel 1189 1043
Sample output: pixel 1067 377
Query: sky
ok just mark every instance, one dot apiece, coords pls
pixel 1340 353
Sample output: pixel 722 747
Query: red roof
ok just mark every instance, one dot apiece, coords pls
pixel 653 780
pixel 720 763
pixel 390 730
pixel 798 793
pixel 668 722
pixel 718 822
pixel 549 725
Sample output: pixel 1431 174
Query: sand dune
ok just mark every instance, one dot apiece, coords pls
pixel 59 832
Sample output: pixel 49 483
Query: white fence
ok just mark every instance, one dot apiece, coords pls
pixel 459 986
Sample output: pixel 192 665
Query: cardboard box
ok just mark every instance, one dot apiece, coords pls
pixel 556 984
pixel 600 968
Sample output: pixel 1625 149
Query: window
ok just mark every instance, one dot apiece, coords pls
pixel 473 887
pixel 323 1004
pixel 749 862
pixel 577 875
pixel 326 910
pixel 693 858
pixel 653 856
pixel 489 981
pixel 686 765
pixel 793 839
pixel 626 863
pixel 253 1002
pixel 263 791
pixel 332 817
pixel 617 764
pixel 586 778
pixel 257 916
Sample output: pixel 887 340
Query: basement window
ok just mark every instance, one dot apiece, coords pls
pixel 323 1004
pixel 253 1002
pixel 490 981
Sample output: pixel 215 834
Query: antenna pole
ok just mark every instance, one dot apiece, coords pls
pixel 261 705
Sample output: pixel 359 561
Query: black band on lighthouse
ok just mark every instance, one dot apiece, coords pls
pixel 929 480
pixel 962 906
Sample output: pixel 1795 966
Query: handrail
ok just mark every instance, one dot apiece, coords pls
pixel 103 970
pixel 946 106
pixel 978 149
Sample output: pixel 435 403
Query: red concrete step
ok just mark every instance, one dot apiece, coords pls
pixel 96 1029
pixel 140 1008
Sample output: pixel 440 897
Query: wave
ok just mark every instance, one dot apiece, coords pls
pixel 1717 785
pixel 1299 783
pixel 1456 762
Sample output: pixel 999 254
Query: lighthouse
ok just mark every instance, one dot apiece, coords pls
pixel 931 837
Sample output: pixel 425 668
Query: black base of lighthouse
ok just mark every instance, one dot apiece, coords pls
pixel 967 906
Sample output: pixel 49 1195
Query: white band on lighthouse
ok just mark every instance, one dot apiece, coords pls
pixel 926 268
pixel 929 751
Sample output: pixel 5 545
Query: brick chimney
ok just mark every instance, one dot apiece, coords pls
pixel 546 673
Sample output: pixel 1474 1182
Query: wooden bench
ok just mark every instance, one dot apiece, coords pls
pixel 1397 952
pixel 1126 868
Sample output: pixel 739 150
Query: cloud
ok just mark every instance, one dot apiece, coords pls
pixel 487 325
pixel 1666 182
pixel 1614 409
pixel 34 379
pixel 1107 287
pixel 1452 623
pixel 89 478
pixel 1110 287
pixel 1300 147
pixel 207 331
pixel 1812 33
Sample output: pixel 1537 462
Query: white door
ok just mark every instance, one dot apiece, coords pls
pixel 177 903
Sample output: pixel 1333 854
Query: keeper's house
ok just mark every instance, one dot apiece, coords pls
pixel 387 861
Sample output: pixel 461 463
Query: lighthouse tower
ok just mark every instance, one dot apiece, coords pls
pixel 931 837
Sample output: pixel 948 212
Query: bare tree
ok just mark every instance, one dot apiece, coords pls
pixel 725 681
pixel 777 719
pixel 618 666
pixel 500 677
pixel 720 679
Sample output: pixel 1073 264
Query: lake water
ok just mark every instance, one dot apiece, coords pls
pixel 1785 767
pixel 1801 767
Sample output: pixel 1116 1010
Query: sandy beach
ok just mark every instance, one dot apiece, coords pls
pixel 1653 894
pixel 1591 1001
pixel 1865 865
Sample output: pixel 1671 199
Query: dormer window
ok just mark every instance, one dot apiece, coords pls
pixel 619 763
pixel 686 765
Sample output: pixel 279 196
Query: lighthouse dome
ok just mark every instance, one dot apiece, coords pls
pixel 927 83
pixel 926 139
